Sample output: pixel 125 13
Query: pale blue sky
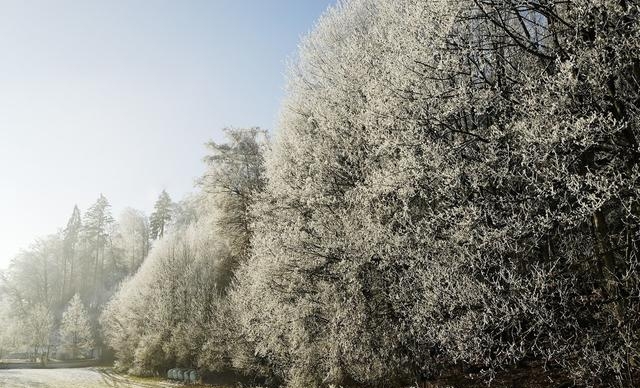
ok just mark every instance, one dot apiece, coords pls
pixel 118 97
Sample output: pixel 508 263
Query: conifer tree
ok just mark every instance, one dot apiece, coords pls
pixel 70 240
pixel 96 226
pixel 161 215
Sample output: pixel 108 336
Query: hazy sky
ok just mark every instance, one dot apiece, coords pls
pixel 118 97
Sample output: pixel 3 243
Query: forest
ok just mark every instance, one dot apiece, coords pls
pixel 453 189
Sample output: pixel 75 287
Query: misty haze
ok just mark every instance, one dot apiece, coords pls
pixel 320 193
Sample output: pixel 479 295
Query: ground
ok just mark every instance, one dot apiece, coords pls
pixel 75 378
pixel 104 377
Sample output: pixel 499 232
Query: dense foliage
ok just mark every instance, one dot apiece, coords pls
pixel 453 183
pixel 176 305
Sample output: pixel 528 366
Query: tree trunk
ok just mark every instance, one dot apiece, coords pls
pixel 607 263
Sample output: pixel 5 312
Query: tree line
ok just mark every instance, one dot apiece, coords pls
pixel 453 188
pixel 52 293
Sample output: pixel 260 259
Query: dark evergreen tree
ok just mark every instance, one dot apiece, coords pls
pixel 71 236
pixel 161 215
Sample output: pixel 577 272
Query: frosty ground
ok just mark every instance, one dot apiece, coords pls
pixel 72 378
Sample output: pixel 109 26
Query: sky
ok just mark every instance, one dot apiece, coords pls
pixel 119 96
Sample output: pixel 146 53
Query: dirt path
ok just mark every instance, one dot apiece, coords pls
pixel 71 378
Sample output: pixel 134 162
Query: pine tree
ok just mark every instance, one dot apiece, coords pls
pixel 96 226
pixel 70 239
pixel 75 330
pixel 161 215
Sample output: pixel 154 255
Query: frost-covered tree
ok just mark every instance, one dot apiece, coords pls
pixel 232 184
pixel 71 239
pixel 37 331
pixel 187 211
pixel 33 275
pixel 10 333
pixel 75 329
pixel 160 315
pixel 96 228
pixel 452 182
pixel 122 320
pixel 174 311
pixel 234 176
pixel 161 216
pixel 133 233
pixel 30 290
